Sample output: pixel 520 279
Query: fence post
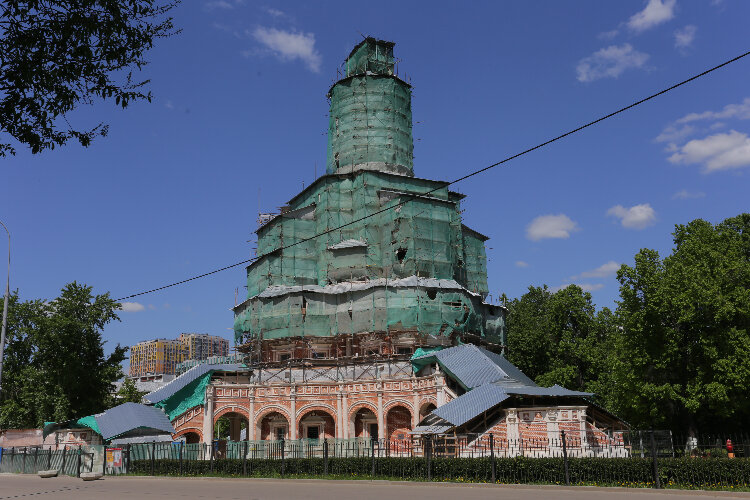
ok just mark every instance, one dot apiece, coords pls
pixel 104 460
pixel 127 463
pixel 182 446
pixel 153 456
pixel 62 469
pixel 23 463
pixel 211 455
pixel 657 483
pixel 325 457
pixel 78 467
pixel 492 456
pixel 282 457
pixel 429 444
pixel 49 459
pixel 36 459
pixel 565 457
pixel 244 461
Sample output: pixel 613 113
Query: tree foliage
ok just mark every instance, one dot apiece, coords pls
pixel 559 338
pixel 683 360
pixel 55 366
pixel 676 352
pixel 57 54
pixel 129 393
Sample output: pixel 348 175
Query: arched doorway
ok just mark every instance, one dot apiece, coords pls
pixel 398 423
pixel 192 438
pixel 273 426
pixel 316 424
pixel 231 426
pixel 425 410
pixel 365 423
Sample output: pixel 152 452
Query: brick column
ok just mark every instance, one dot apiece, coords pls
pixel 208 416
pixel 439 385
pixel 340 417
pixel 415 413
pixel 381 419
pixel 251 417
pixel 293 423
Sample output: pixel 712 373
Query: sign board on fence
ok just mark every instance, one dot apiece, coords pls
pixel 114 457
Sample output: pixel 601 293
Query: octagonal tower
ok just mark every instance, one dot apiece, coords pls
pixel 368 261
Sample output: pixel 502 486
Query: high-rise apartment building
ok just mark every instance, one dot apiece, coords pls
pixel 158 356
pixel 202 345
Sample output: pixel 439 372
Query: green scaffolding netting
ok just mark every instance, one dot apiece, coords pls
pixel 193 394
pixel 376 221
pixel 418 364
pixel 424 238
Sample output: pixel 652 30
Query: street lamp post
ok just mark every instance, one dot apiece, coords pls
pixel 5 312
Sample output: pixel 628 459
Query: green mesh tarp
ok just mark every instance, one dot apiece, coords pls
pixel 89 422
pixel 424 237
pixel 407 227
pixel 193 394
pixel 83 422
pixel 418 364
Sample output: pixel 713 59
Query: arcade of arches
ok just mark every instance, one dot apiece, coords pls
pixel 377 408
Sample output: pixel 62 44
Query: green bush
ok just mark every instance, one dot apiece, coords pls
pixel 632 472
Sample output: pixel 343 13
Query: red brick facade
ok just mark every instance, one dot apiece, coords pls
pixel 390 407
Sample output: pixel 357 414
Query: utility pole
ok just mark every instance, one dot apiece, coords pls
pixel 5 312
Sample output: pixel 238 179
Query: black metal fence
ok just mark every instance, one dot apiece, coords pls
pixel 635 459
pixel 69 461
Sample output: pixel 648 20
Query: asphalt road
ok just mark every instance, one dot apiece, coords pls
pixel 112 488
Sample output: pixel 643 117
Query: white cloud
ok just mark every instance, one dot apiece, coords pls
pixel 288 46
pixel 550 226
pixel 655 13
pixel 274 12
pixel 739 111
pixel 674 134
pixel 608 35
pixel 586 287
pixel 521 263
pixel 610 62
pixel 635 217
pixel 687 195
pixel 131 307
pixel 602 271
pixel 219 4
pixel 716 152
pixel 684 37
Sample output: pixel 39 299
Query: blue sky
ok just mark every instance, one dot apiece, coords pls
pixel 239 117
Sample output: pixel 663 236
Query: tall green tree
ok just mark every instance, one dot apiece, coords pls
pixel 58 54
pixel 559 338
pixel 56 368
pixel 684 352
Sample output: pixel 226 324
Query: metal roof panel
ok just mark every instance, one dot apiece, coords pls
pixel 128 416
pixel 469 405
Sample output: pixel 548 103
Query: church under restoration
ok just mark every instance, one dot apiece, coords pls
pixel 362 280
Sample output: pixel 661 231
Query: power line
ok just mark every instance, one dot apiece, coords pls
pixel 446 184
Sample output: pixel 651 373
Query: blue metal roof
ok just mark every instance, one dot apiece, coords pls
pixel 554 391
pixel 178 383
pixel 473 403
pixel 473 366
pixel 130 416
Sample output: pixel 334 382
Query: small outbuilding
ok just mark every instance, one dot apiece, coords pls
pixel 128 422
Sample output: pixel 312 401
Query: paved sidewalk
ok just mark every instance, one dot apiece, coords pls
pixel 156 488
